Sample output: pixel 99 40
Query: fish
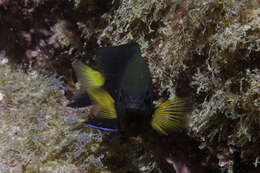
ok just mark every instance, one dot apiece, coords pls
pixel 121 90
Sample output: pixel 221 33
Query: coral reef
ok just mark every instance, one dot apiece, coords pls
pixel 207 50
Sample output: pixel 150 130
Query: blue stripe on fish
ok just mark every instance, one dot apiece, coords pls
pixel 102 128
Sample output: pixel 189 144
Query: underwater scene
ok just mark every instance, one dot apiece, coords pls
pixel 129 86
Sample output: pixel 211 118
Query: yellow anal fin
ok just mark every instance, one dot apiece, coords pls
pixel 170 116
pixel 104 101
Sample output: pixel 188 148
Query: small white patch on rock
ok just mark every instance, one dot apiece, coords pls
pixel 4 61
pixel 1 96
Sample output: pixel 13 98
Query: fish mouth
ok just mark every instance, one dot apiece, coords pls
pixel 134 108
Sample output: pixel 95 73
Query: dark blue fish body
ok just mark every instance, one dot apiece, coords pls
pixel 131 84
pixel 122 91
pixel 135 97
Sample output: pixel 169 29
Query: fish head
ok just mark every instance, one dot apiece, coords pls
pixel 134 111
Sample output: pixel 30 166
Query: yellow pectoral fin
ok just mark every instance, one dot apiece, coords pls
pixel 105 102
pixel 87 76
pixel 170 115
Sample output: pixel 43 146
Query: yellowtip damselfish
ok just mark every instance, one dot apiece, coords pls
pixel 122 91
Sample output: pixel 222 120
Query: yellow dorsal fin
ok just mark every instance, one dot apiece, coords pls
pixel 87 76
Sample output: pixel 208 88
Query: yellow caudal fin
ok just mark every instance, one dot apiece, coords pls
pixel 87 76
pixel 104 100
pixel 170 116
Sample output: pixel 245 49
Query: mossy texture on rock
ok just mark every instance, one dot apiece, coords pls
pixel 206 49
pixel 36 127
pixel 227 78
